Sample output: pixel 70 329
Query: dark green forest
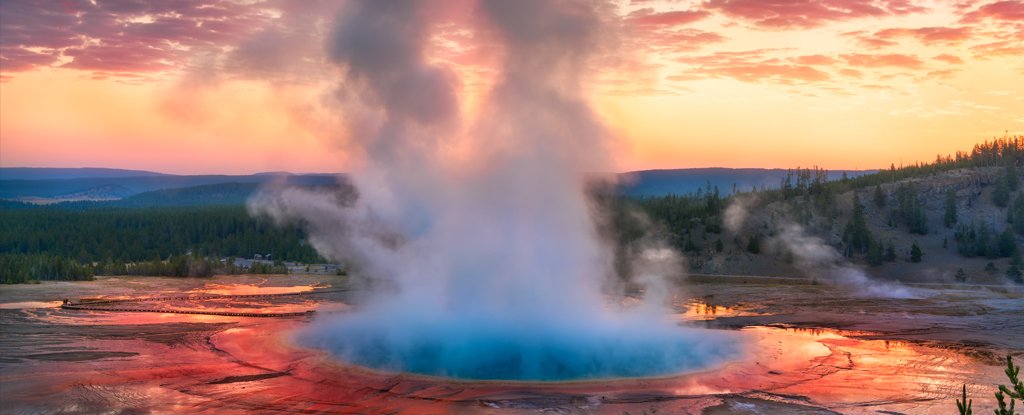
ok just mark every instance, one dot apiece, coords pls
pixel 54 242
pixel 78 240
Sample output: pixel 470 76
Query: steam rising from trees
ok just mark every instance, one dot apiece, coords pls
pixel 814 257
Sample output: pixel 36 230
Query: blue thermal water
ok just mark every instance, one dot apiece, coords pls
pixel 508 350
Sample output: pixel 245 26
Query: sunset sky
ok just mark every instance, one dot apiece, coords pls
pixel 246 86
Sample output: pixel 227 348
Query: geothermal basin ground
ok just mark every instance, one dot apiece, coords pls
pixel 810 348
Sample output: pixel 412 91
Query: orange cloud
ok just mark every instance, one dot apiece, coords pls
pixel 781 73
pixel 814 60
pixel 1003 44
pixel 883 60
pixel 928 35
pixel 648 17
pixel 796 14
pixel 950 59
pixel 754 66
pixel 853 73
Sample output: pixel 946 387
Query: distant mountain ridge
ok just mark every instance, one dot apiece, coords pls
pixel 207 194
pixel 143 188
pixel 50 173
pixel 53 188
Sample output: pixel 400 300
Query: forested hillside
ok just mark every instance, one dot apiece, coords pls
pixel 959 218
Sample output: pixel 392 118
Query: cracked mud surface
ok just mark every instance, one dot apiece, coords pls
pixel 812 350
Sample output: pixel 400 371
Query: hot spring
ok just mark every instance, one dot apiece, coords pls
pixel 482 221
pixel 470 348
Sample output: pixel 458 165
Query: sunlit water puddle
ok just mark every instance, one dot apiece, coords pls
pixel 697 310
pixel 250 299
pixel 29 304
pixel 252 289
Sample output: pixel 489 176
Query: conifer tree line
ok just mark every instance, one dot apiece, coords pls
pixel 75 241
pixel 140 234
pixel 53 243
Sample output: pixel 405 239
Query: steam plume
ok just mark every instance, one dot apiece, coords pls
pixel 495 257
pixel 818 260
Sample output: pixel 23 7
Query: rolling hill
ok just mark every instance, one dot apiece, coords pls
pixel 44 185
pixel 53 190
pixel 46 173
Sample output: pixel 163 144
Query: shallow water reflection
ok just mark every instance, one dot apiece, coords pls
pixel 66 360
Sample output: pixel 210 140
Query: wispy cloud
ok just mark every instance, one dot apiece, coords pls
pixel 126 37
pixel 796 14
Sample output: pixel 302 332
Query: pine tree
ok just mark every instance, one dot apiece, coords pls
pixel 911 210
pixel 1018 214
pixel 983 246
pixel 1001 192
pixel 960 276
pixel 915 253
pixel 879 197
pixel 1006 243
pixel 754 245
pixel 950 218
pixel 856 235
pixel 1012 177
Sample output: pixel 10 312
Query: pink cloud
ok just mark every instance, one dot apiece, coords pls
pixel 1008 10
pixel 797 14
pixel 660 32
pixel 120 36
pixel 756 66
pixel 682 40
pixel 926 35
pixel 15 59
pixel 904 7
pixel 648 17
pixel 868 40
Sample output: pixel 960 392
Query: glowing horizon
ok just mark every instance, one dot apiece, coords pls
pixel 230 88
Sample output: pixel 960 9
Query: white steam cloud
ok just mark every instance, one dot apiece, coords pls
pixel 494 256
pixel 817 259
